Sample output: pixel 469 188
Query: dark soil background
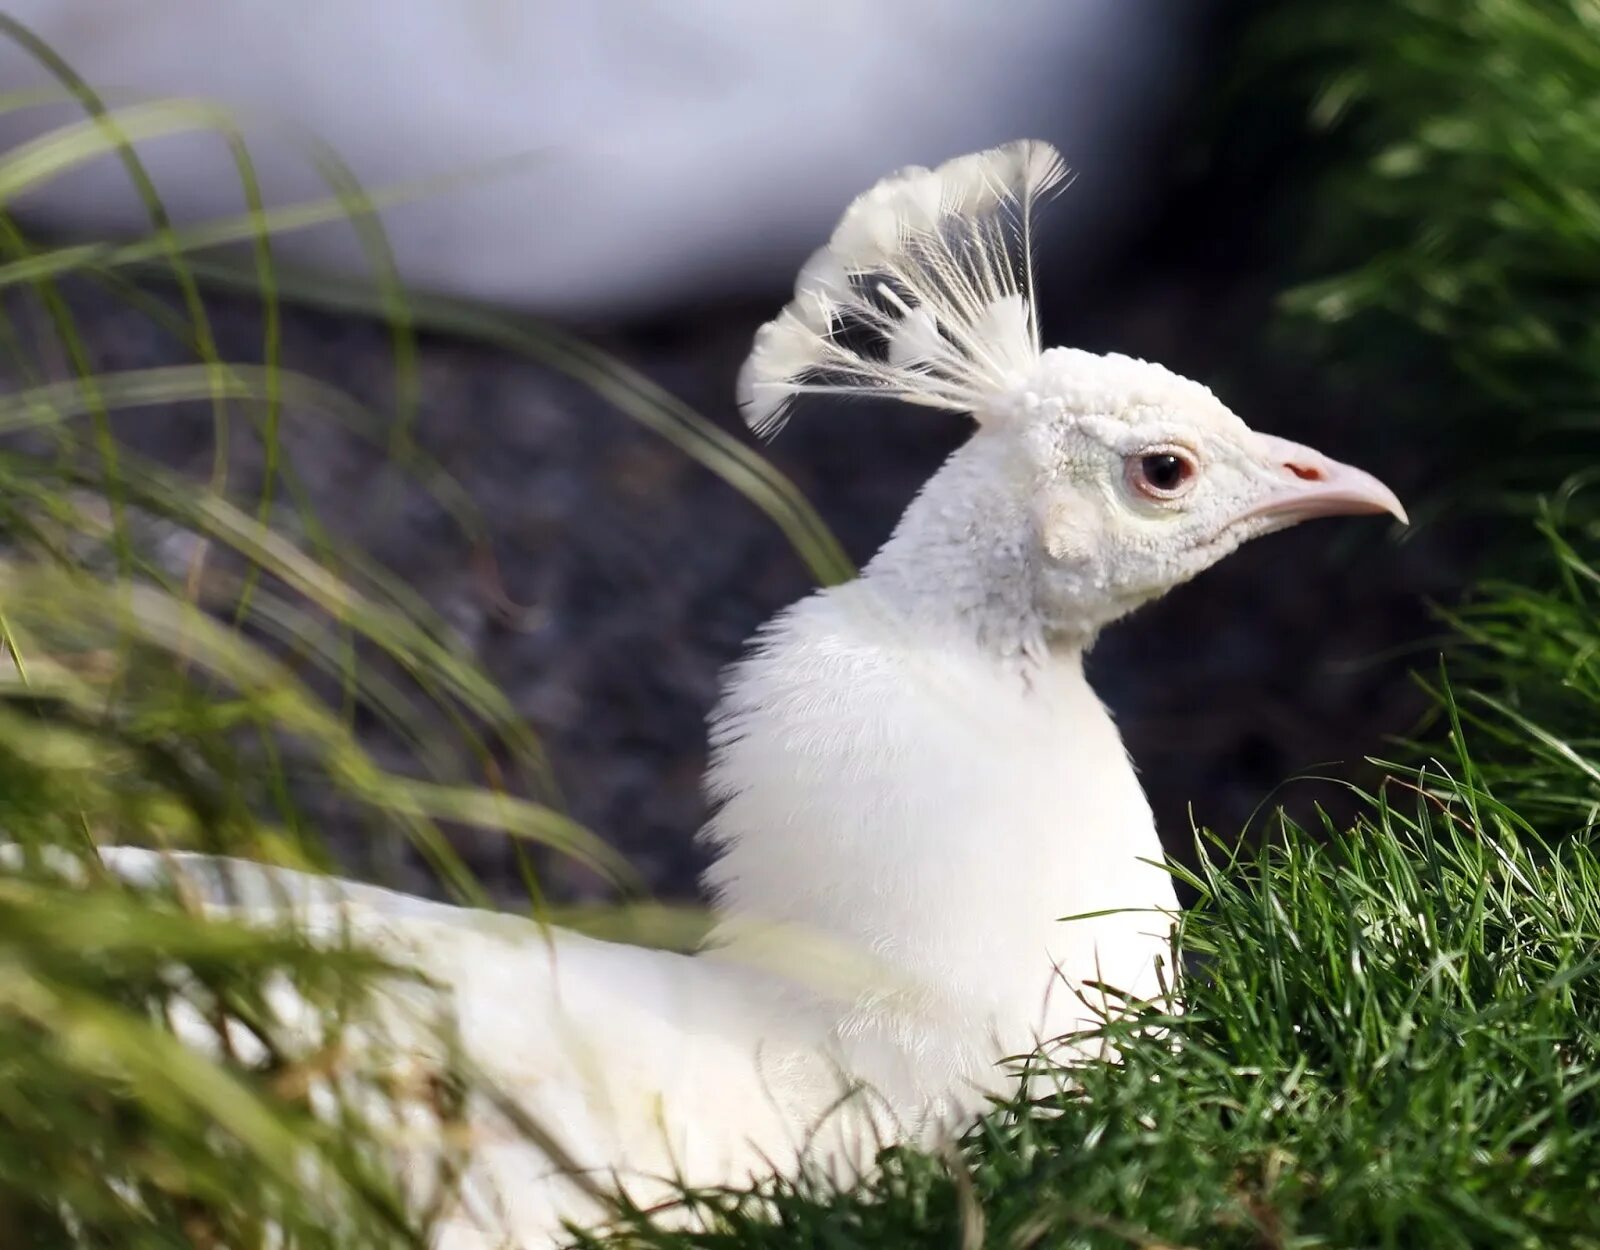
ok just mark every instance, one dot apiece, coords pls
pixel 638 574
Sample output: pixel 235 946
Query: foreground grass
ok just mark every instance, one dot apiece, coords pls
pixel 184 664
pixel 201 664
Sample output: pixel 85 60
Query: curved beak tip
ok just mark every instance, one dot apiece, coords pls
pixel 1319 486
pixel 1352 491
pixel 1360 492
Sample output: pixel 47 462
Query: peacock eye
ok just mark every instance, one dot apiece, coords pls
pixel 1162 474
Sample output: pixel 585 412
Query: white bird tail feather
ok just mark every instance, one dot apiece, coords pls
pixel 924 293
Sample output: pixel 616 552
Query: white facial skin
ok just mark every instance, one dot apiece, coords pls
pixel 1144 479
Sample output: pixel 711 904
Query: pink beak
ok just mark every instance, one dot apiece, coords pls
pixel 1313 485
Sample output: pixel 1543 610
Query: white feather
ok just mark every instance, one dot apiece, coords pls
pixel 916 340
pixel 1005 329
pixel 785 348
pixel 824 278
pixel 874 227
pixel 935 263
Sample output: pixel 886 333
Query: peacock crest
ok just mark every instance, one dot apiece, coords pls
pixel 924 293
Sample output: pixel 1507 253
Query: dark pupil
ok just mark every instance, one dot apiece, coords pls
pixel 1164 471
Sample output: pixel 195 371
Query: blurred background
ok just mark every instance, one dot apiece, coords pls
pixel 563 182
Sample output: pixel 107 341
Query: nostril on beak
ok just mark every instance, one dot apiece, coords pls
pixel 1305 472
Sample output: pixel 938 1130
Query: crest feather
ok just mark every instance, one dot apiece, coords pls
pixel 924 293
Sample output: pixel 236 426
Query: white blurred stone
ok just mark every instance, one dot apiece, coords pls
pixel 684 149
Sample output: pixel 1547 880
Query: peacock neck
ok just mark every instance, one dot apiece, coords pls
pixel 966 561
pixel 899 775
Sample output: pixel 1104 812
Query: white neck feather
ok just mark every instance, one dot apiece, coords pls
pixel 961 564
pixel 905 765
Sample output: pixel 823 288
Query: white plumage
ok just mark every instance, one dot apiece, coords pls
pixel 913 781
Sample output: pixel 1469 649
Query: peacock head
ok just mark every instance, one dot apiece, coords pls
pixel 1141 479
pixel 1123 478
